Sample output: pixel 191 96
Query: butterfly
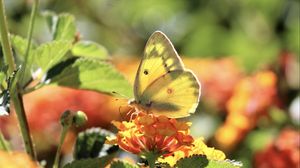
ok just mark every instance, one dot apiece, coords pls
pixel 163 86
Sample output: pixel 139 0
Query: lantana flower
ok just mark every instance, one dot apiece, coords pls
pixel 198 147
pixel 148 133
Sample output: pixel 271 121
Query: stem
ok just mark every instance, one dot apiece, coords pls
pixel 6 47
pixel 151 158
pixel 29 35
pixel 62 138
pixel 15 94
pixel 3 143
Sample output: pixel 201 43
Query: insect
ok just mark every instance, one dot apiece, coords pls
pixel 5 86
pixel 163 86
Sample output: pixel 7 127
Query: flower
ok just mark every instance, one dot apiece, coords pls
pixel 149 133
pixel 16 160
pixel 283 152
pixel 198 148
pixel 251 99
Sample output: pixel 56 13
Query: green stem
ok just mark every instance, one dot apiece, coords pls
pixel 62 139
pixel 16 97
pixel 6 47
pixel 151 158
pixel 3 143
pixel 20 111
pixel 29 35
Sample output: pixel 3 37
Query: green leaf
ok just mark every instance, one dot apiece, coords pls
pixel 90 163
pixel 90 144
pixel 49 54
pixel 224 164
pixel 93 75
pixel 89 49
pixel 122 164
pixel 19 44
pixel 200 161
pixel 195 161
pixel 65 28
pixel 51 19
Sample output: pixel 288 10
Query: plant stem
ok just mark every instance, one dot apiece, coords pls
pixel 62 138
pixel 151 158
pixel 6 47
pixel 3 144
pixel 29 35
pixel 16 97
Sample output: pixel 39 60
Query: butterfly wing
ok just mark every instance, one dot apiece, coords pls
pixel 162 84
pixel 175 94
pixel 159 58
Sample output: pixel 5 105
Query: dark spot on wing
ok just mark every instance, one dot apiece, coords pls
pixel 166 65
pixel 146 72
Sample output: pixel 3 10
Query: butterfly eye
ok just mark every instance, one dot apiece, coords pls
pixel 146 72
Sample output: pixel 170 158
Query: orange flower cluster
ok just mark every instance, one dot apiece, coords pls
pixel 148 133
pixel 16 160
pixel 284 152
pixel 166 137
pixel 251 99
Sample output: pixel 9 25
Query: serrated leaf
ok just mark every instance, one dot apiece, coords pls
pixel 195 161
pixel 89 49
pixel 224 164
pixel 49 54
pixel 200 161
pixel 51 19
pixel 65 28
pixel 162 165
pixel 90 163
pixel 122 164
pixel 93 75
pixel 20 44
pixel 90 144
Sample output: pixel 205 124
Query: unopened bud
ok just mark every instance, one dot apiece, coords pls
pixel 79 119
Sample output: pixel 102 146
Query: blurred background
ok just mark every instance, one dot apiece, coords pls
pixel 245 54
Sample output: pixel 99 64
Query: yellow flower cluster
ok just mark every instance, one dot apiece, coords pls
pixel 198 148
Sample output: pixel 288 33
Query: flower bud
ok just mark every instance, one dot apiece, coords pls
pixel 79 118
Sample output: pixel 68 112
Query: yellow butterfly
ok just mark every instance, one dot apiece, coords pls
pixel 162 85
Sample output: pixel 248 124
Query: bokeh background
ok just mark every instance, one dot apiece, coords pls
pixel 245 54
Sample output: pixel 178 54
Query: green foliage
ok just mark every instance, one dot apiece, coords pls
pixel 195 161
pixel 90 144
pixel 93 75
pixel 49 54
pixel 224 164
pixel 88 72
pixel 122 164
pixel 90 163
pixel 19 44
pixel 89 49
pixel 65 28
pixel 200 161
